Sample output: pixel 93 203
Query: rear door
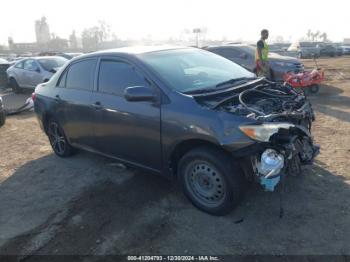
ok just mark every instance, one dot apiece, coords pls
pixel 126 130
pixel 73 101
pixel 31 73
pixel 19 73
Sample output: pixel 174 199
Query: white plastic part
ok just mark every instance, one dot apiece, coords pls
pixel 271 163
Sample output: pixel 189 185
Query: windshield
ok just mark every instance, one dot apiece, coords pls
pixel 193 69
pixel 249 49
pixel 307 44
pixel 50 63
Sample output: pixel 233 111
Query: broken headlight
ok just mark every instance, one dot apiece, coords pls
pixel 263 132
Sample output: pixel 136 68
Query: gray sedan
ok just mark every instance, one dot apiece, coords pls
pixel 244 55
pixel 29 72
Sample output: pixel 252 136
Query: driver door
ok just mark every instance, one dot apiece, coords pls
pixel 123 129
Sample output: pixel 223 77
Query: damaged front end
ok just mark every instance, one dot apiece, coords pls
pixel 283 149
pixel 279 120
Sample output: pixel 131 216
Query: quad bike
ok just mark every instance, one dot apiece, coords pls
pixel 307 81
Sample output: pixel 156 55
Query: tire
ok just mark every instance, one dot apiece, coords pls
pixel 211 180
pixel 14 85
pixel 58 139
pixel 2 118
pixel 314 89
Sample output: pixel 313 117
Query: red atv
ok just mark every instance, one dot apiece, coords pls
pixel 307 81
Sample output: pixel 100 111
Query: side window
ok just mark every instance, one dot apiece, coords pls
pixel 19 65
pixel 230 53
pixel 30 65
pixel 214 50
pixel 243 55
pixel 81 75
pixel 62 80
pixel 115 76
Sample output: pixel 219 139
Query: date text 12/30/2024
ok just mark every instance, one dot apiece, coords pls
pixel 173 258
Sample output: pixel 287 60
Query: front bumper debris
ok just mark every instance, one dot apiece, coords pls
pixel 283 158
pixel 269 168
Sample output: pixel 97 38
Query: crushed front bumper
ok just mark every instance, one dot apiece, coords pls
pixel 284 155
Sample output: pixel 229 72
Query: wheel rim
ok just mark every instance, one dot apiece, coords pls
pixel 314 89
pixel 57 139
pixel 205 183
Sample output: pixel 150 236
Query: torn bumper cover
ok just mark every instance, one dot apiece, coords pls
pixel 284 148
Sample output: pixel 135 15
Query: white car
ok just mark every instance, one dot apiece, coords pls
pixel 29 72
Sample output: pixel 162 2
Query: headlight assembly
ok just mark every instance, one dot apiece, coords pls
pixel 284 64
pixel 263 132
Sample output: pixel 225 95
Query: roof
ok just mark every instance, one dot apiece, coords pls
pixel 229 45
pixel 140 49
pixel 40 57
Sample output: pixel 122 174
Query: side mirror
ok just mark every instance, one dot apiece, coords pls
pixel 37 70
pixel 139 93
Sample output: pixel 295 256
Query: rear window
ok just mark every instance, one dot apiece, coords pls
pixel 52 63
pixel 306 44
pixel 81 75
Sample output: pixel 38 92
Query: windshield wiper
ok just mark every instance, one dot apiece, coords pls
pixel 220 86
pixel 202 90
pixel 235 81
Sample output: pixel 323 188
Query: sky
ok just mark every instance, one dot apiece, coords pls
pixel 161 19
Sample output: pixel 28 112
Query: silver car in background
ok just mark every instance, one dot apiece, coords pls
pixel 306 49
pixel 29 72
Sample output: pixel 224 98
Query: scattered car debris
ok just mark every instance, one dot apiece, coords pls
pixel 28 106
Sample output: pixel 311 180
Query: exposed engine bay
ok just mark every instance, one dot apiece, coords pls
pixel 281 124
pixel 264 101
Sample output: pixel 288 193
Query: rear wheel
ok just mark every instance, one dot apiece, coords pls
pixel 314 89
pixel 210 180
pixel 14 85
pixel 2 118
pixel 58 140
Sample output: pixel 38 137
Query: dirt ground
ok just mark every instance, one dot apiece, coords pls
pixel 88 204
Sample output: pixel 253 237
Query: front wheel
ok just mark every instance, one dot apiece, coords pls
pixel 314 89
pixel 58 140
pixel 211 181
pixel 14 86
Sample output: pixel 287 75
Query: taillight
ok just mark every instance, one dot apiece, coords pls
pixel 33 96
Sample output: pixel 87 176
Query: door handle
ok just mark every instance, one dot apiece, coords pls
pixel 97 105
pixel 57 98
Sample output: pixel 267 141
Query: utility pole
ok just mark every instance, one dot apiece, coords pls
pixel 197 31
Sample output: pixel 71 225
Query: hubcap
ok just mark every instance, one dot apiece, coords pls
pixel 205 183
pixel 57 139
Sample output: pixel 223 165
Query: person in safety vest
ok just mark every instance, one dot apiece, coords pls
pixel 262 55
